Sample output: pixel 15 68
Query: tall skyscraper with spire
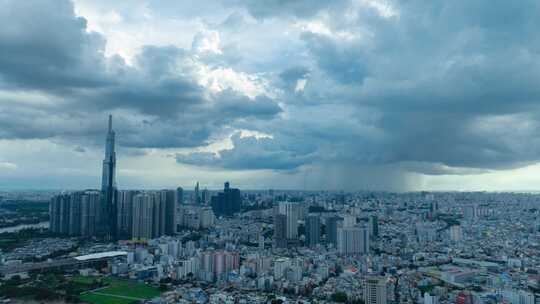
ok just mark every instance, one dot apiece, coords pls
pixel 108 186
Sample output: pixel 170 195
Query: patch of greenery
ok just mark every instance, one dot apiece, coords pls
pixel 426 288
pixel 339 297
pixel 104 299
pixel 118 291
pixel 131 289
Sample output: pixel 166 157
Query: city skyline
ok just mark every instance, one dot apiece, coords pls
pixel 348 95
pixel 270 152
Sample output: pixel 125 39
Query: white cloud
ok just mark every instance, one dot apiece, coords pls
pixel 383 8
pixel 207 41
pixel 7 166
pixel 220 79
pixel 300 85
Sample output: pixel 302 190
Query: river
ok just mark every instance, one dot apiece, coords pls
pixel 24 226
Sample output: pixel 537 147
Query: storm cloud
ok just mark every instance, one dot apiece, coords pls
pixel 438 88
pixel 435 92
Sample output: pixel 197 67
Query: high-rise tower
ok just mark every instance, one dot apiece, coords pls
pixel 313 230
pixel 108 186
pixel 109 163
pixel 197 198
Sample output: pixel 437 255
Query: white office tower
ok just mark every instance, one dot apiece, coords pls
pixel 349 221
pixel 280 267
pixel 353 240
pixel 291 211
pixel 429 299
pixel 375 290
pixel 188 267
pixel 455 233
pixel 207 218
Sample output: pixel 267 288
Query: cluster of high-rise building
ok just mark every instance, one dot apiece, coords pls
pixel 153 214
pixel 76 214
pixel 195 217
pixel 114 214
pixel 343 233
pixel 141 215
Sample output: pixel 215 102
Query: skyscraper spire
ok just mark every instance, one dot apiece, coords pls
pixel 109 162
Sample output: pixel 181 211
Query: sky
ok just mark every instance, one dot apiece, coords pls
pixel 287 94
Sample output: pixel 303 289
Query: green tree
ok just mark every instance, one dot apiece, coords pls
pixel 339 297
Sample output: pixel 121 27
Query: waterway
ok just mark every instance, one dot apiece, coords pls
pixel 24 226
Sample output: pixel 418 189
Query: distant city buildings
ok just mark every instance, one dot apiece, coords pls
pixel 227 202
pixel 375 248
pixel 367 247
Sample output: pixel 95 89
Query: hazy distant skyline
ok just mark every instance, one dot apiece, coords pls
pixel 346 94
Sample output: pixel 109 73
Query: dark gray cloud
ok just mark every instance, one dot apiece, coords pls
pixel 234 105
pixel 344 61
pixel 252 153
pixel 157 101
pixel 44 46
pixel 446 86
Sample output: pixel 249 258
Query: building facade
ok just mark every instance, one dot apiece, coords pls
pixel 313 230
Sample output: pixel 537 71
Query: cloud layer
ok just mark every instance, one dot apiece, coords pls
pixel 285 87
